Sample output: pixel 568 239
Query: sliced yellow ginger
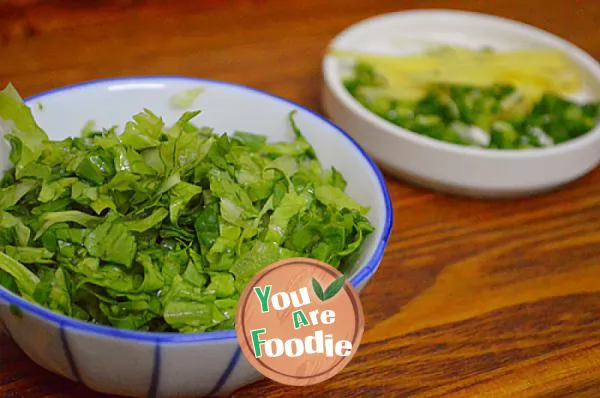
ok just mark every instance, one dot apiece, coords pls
pixel 533 71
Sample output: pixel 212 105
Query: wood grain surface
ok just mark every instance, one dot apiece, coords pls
pixel 473 298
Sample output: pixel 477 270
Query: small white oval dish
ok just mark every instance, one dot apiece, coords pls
pixel 443 166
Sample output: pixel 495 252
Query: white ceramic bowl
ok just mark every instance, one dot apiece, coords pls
pixel 443 166
pixel 132 363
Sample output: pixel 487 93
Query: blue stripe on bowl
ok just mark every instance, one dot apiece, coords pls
pixel 153 390
pixel 230 368
pixel 69 355
pixel 167 338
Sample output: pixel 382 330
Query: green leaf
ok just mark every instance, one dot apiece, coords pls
pixel 334 288
pixel 95 167
pixel 318 289
pixel 30 255
pixel 102 202
pixel 124 181
pixel 144 131
pixel 74 216
pixel 18 126
pixel 223 186
pixel 221 283
pixel 291 205
pixel 207 226
pixel 88 128
pixel 153 220
pixel 194 275
pixel 112 242
pixel 179 197
pixel 259 256
pixel 299 136
pixel 54 190
pixel 59 298
pixel 336 198
pixel 9 196
pixel 21 231
pixel 153 279
pixel 82 193
pixel 197 316
pixel 111 276
pixel 252 141
pixel 186 98
pixel 25 279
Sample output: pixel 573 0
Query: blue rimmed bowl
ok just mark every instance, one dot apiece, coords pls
pixel 139 364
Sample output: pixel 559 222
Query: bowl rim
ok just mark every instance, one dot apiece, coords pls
pixel 359 278
pixel 585 61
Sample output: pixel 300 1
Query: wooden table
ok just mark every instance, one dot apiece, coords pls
pixel 473 298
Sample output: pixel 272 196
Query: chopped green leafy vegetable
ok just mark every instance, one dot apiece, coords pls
pixel 161 228
pixel 185 99
pixel 497 116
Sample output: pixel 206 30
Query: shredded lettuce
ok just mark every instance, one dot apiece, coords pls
pixel 185 99
pixel 162 227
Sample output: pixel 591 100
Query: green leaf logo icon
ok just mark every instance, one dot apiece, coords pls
pixel 331 290
pixel 318 289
